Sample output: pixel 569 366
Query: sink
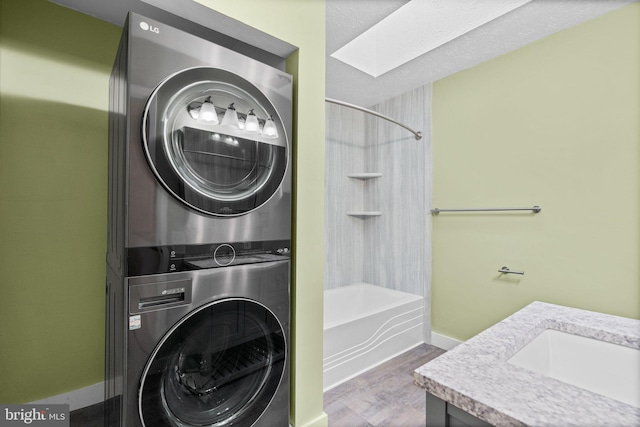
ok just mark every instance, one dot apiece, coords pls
pixel 608 369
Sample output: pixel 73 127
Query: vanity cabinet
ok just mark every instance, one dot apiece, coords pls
pixel 443 414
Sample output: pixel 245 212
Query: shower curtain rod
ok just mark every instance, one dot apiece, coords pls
pixel 417 134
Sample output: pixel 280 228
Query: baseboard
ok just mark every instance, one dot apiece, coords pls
pixel 443 341
pixel 321 421
pixel 76 399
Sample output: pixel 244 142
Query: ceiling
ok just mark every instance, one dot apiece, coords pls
pixel 347 19
pixel 195 18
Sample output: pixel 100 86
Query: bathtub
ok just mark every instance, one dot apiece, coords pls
pixel 365 325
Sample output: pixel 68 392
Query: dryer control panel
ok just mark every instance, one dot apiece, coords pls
pixel 167 259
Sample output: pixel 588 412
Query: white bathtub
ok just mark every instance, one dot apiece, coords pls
pixel 365 325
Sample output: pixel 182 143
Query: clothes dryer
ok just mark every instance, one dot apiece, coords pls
pixel 202 146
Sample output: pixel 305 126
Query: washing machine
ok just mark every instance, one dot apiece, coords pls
pixel 199 222
pixel 204 345
pixel 209 347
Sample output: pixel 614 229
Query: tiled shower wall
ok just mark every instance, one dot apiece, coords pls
pixel 392 250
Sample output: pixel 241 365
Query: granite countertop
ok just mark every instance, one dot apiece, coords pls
pixel 476 377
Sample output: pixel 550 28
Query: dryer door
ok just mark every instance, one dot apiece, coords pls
pixel 215 141
pixel 220 365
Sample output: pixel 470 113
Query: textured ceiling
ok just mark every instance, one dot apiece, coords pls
pixel 419 27
pixel 229 31
pixel 346 19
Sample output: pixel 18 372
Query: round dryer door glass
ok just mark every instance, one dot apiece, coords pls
pixel 215 141
pixel 219 366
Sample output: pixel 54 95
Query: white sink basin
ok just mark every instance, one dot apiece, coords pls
pixel 608 369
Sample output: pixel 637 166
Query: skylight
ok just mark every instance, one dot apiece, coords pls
pixel 417 28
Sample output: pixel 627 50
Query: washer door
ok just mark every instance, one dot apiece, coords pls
pixel 220 365
pixel 212 164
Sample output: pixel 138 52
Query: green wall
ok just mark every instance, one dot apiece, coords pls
pixel 301 23
pixel 54 70
pixel 555 123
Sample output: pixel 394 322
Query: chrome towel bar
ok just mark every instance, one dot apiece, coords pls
pixel 534 209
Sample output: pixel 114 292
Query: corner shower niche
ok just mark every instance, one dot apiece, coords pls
pixel 364 177
pixel 378 196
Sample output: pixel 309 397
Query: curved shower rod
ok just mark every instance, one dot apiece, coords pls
pixel 417 134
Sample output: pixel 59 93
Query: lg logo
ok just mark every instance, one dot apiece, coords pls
pixel 148 27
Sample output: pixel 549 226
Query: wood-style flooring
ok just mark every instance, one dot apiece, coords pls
pixel 383 396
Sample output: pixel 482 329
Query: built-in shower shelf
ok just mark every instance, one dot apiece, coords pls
pixel 367 175
pixel 364 214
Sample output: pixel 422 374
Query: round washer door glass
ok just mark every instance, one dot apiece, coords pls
pixel 219 366
pixel 215 141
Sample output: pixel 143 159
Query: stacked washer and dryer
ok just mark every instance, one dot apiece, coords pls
pixel 198 264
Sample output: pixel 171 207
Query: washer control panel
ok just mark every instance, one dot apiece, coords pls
pixel 224 255
pixel 166 259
